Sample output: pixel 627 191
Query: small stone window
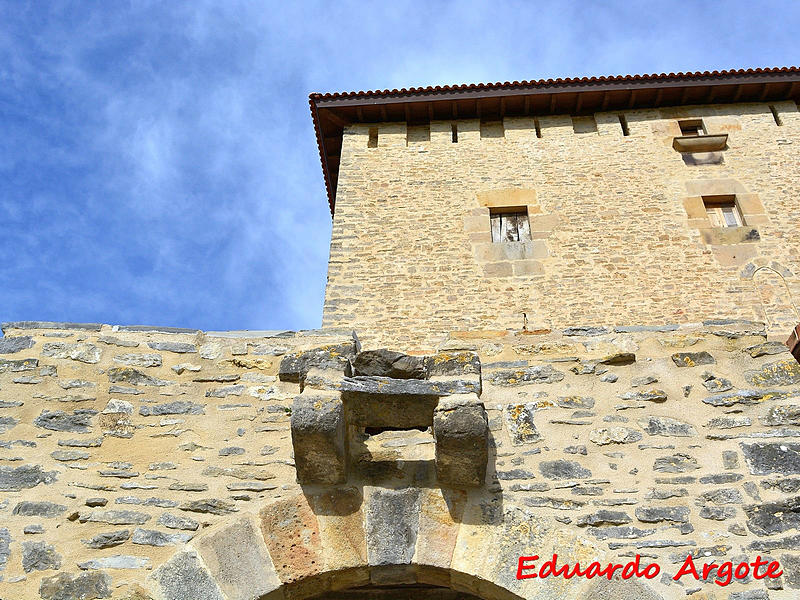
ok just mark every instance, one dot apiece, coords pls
pixel 510 224
pixel 723 211
pixel 692 127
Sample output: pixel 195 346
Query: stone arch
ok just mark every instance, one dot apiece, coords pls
pixel 328 540
pixel 775 299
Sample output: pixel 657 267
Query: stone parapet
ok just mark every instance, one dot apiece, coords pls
pixel 147 464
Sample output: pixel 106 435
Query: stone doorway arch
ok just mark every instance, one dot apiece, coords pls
pixel 318 544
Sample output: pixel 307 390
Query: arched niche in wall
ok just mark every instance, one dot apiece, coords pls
pixel 776 303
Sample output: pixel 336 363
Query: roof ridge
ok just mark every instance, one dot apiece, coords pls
pixel 558 80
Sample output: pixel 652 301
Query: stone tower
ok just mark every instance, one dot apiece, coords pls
pixel 641 201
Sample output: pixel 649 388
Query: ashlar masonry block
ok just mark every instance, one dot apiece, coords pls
pixel 318 437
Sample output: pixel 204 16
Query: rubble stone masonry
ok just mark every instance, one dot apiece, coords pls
pixel 619 234
pixel 142 463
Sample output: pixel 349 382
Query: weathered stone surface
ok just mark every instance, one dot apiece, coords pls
pixel 250 486
pixel 530 375
pixel 139 360
pixel 786 485
pixel 7 423
pixel 392 525
pixel 717 513
pixel 114 341
pixel 151 537
pixel 223 392
pixel 39 556
pixel 318 438
pixel 386 363
pixel 237 472
pixel 179 407
pixel 772 457
pixel 519 422
pixel 789 542
pixel 729 422
pixel 189 487
pixel 784 414
pixel 722 478
pixel 209 505
pixel 115 405
pixel 25 364
pixel 12 345
pixel 723 496
pixel 655 514
pixel 108 539
pixel 577 402
pixel 461 432
pixel 563 469
pixel 85 353
pixel 47 510
pixel 231 451
pixel 664 494
pixel 791 568
pixel 221 378
pixel 773 517
pixel 134 377
pixel 624 532
pixel 171 521
pixel 51 325
pixel 585 330
pixel 27 476
pixel 154 329
pixel 746 397
pixel 5 547
pixel 69 455
pixel 184 577
pixel 677 463
pixel 291 533
pixel 239 560
pixel 453 364
pixel 177 347
pixel 409 387
pixel 82 443
pixel 294 366
pixel 603 517
pixel 766 348
pixel 85 586
pixel 716 384
pixel 114 517
pixel 692 359
pixel 614 435
pixel 651 395
pixel 117 561
pixel 181 368
pixel 667 427
pixel 58 420
pixel 162 502
pixel 781 372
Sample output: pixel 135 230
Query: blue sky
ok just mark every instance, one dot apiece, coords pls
pixel 158 162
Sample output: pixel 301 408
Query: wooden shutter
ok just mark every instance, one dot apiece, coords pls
pixel 495 221
pixel 508 228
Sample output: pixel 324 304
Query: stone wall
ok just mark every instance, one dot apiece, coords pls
pixel 619 234
pixel 143 463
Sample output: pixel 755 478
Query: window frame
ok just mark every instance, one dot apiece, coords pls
pixel 718 208
pixel 692 128
pixel 513 220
